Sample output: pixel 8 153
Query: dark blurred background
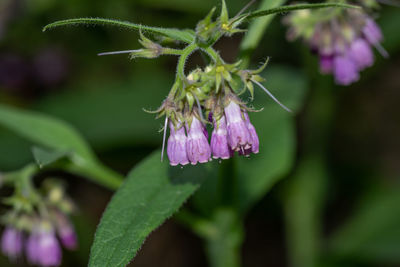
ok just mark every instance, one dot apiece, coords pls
pixel 59 73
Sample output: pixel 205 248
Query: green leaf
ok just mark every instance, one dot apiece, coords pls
pixel 175 34
pixel 372 232
pixel 284 9
pixel 276 131
pixel 45 131
pixel 151 193
pixel 44 157
pixel 113 104
pixel 51 133
pixel 241 182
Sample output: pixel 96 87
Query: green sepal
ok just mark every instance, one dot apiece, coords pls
pixel 235 83
pixel 205 27
pixel 224 17
pixel 257 78
pixel 181 96
pixel 227 76
pixel 19 203
pixel 229 26
pixel 250 87
pixel 261 69
pixel 218 81
pixel 151 49
pixel 235 22
pixel 146 42
pixel 207 30
pixel 201 95
pixel 190 99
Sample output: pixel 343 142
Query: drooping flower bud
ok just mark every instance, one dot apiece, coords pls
pixel 197 147
pixel 326 64
pixel 68 237
pixel 345 70
pixel 361 53
pixel 253 134
pixel 219 140
pixel 176 148
pixel 12 243
pixel 32 248
pixel 43 248
pixel 372 32
pixel 239 138
pixel 66 231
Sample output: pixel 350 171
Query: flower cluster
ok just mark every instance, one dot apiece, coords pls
pixel 207 96
pixel 212 93
pixel 233 131
pixel 36 227
pixel 343 40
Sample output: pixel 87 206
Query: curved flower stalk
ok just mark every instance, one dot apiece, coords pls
pixel 343 39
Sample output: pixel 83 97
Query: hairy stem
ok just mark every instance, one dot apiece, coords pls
pixel 214 55
pixel 223 247
pixel 183 58
pixel 171 51
pixel 103 175
pixel 283 9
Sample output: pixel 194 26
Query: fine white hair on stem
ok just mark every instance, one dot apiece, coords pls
pixel 118 52
pixel 269 93
pixel 164 137
pixel 381 50
pixel 199 107
pixel 249 4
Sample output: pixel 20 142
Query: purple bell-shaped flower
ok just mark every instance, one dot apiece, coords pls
pixel 197 147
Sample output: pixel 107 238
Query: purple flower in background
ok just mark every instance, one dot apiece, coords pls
pixel 68 237
pixel 66 232
pixel 219 140
pixel 361 53
pixel 345 70
pixel 372 32
pixel 239 138
pixel 326 64
pixel 12 243
pixel 344 43
pixel 176 148
pixel 31 248
pixel 43 248
pixel 197 147
pixel 50 66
